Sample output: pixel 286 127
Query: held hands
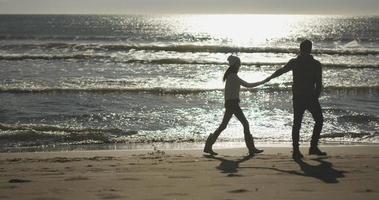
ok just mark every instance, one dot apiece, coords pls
pixel 267 79
pixel 260 82
pixel 257 83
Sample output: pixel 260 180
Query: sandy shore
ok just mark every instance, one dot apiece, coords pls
pixel 349 172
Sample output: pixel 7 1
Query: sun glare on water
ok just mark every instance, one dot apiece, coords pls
pixel 241 30
pixel 238 31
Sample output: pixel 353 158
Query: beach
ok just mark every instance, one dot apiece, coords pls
pixel 120 106
pixel 348 172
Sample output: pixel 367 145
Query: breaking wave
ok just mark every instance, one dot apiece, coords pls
pixel 168 90
pixel 186 48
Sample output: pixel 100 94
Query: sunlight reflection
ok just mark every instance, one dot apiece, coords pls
pixel 241 30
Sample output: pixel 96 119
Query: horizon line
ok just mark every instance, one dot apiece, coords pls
pixel 190 13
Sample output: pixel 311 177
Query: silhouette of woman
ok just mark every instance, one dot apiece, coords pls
pixel 231 92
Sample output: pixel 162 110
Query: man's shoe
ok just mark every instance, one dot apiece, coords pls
pixel 210 151
pixel 296 155
pixel 316 151
pixel 255 151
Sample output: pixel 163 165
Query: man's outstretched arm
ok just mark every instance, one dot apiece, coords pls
pixel 288 67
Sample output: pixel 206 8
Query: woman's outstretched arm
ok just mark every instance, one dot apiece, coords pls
pixel 255 84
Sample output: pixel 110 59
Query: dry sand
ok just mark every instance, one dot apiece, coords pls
pixel 349 172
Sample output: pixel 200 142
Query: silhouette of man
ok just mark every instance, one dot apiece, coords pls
pixel 306 89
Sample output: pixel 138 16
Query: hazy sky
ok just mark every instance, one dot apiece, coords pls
pixel 361 7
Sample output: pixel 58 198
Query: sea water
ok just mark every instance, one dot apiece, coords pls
pixel 91 79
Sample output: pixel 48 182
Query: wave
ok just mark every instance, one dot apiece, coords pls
pixel 51 128
pixel 227 49
pixel 64 37
pixel 188 48
pixel 51 57
pixel 156 90
pixel 162 61
pixel 35 133
pixel 173 91
pixel 23 135
pixel 127 37
pixel 199 62
pixel 258 64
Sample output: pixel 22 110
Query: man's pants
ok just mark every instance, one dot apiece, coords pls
pixel 300 104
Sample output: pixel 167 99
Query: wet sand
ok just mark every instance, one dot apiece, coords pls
pixel 348 172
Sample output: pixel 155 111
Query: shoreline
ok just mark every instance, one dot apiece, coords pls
pixel 164 146
pixel 228 151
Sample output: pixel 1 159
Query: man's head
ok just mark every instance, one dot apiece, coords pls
pixel 305 47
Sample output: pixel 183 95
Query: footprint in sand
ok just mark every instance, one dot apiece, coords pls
pixel 366 190
pixel 238 191
pixel 77 178
pixel 18 181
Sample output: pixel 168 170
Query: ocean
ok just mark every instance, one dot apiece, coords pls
pixel 71 81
